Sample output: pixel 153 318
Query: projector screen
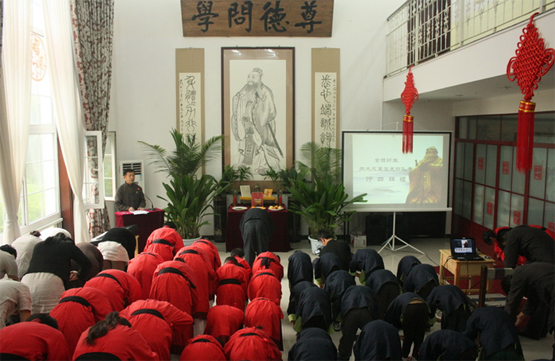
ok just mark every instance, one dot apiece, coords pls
pixel 373 163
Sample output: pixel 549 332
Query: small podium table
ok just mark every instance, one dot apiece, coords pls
pixel 146 223
pixel 462 270
pixel 279 242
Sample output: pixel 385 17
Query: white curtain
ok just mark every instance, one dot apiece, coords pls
pixel 15 100
pixel 70 125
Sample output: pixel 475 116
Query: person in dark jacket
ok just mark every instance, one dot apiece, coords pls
pixel 405 265
pixel 378 340
pixel 448 345
pixel 493 329
pixel 453 304
pixel 313 309
pixel 536 282
pixel 294 297
pixel 531 242
pixel 336 285
pixel 256 229
pixel 325 265
pixel 357 309
pixel 95 256
pixel 411 313
pixel 50 271
pixel 122 236
pixel 421 280
pixel 299 268
pixel 337 247
pixel 313 344
pixel 364 262
pixel 385 287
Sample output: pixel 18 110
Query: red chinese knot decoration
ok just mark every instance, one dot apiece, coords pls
pixel 408 97
pixel 532 61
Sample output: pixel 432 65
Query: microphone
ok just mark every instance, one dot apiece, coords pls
pixel 151 204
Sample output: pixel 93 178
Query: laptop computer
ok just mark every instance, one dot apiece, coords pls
pixel 464 249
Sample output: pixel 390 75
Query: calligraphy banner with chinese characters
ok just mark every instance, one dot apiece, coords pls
pixel 311 18
pixel 325 97
pixel 189 68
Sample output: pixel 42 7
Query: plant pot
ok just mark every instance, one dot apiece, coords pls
pixel 315 245
pixel 188 242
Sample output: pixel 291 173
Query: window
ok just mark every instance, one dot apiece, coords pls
pixel 93 186
pixel 40 205
pixel 110 183
pixel 489 191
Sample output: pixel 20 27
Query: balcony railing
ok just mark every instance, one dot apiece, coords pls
pixel 424 29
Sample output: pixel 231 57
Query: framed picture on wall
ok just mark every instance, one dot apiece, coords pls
pixel 258 109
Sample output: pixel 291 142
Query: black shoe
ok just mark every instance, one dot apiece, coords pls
pixel 337 326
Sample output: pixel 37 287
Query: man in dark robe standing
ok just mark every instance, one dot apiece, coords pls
pixel 256 229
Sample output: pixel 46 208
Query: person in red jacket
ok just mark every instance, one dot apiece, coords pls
pixel 207 255
pixel 121 288
pixel 36 339
pixel 176 283
pixel 166 233
pixel 239 255
pixel 268 260
pixel 204 275
pixel 203 347
pixel 232 284
pixel 114 336
pixel 160 323
pixel 264 314
pixel 79 309
pixel 142 268
pixel 251 344
pixel 265 284
pixel 223 321
pixel 210 248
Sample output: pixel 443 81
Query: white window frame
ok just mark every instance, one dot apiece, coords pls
pixel 111 163
pixel 88 182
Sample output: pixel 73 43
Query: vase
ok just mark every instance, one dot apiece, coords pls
pixel 315 245
pixel 190 241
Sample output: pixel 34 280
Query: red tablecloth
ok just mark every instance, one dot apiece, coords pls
pixel 279 242
pixel 146 223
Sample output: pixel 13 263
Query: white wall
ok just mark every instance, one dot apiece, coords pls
pixel 147 33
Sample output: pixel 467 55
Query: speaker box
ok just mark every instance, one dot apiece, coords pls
pixel 376 232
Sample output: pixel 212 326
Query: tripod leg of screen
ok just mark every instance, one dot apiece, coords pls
pixel 390 243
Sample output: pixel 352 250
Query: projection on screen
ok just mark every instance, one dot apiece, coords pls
pixel 373 163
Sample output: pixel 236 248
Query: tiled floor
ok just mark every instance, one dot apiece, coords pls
pixel 533 350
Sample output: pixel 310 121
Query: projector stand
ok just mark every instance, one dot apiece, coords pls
pixel 390 243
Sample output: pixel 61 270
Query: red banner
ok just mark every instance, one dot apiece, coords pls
pixel 517 217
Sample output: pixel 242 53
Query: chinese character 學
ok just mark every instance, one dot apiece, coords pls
pixel 308 15
pixel 205 14
pixel 273 17
pixel 245 15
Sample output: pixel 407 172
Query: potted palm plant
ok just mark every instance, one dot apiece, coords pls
pixel 188 194
pixel 321 201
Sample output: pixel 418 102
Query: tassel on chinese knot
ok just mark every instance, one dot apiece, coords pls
pixel 532 61
pixel 408 97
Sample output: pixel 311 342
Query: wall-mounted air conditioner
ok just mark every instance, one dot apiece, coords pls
pixel 138 167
